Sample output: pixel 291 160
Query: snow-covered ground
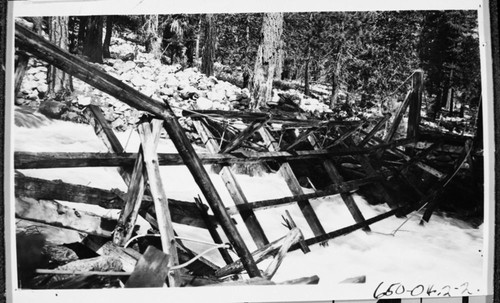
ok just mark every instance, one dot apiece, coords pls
pixel 443 252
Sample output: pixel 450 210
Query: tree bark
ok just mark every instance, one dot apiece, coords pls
pixel 107 37
pixel 153 42
pixel 59 83
pixel 207 64
pixel 92 46
pixel 267 58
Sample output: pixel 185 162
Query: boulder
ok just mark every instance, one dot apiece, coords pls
pixel 204 103
pixel 53 109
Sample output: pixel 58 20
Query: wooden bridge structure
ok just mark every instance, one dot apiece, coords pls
pixel 230 138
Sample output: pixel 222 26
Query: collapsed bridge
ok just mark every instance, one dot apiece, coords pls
pixel 231 138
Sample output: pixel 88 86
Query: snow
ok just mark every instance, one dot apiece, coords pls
pixel 443 252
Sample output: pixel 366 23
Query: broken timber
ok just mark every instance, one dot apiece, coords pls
pixel 32 43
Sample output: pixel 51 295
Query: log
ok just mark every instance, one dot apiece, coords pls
pixel 102 263
pixel 291 238
pixel 233 188
pixel 151 270
pixel 305 249
pixel 397 118
pixel 163 217
pixel 374 130
pixel 104 131
pixel 182 212
pixel 135 192
pixel 213 230
pixel 337 179
pixel 286 172
pixel 56 214
pixel 332 190
pixel 29 160
pixel 243 136
pixel 58 190
pixel 34 44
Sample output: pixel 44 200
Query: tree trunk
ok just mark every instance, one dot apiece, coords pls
pixel 267 58
pixel 207 64
pixel 82 30
pixel 59 83
pixel 153 42
pixel 306 78
pixel 107 37
pixel 92 46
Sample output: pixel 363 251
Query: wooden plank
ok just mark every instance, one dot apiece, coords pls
pixel 345 135
pixel 374 130
pixel 305 249
pixel 294 186
pixel 291 238
pixel 58 190
pixel 337 179
pixel 104 131
pixel 151 270
pixel 248 216
pixel 29 160
pixel 160 199
pixel 36 45
pixel 234 189
pixel 303 137
pixel 213 230
pixel 56 214
pixel 135 192
pixel 330 191
pixel 312 280
pixel 397 118
pixel 182 212
pixel 243 136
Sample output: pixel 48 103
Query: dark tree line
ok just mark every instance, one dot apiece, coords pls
pixel 363 55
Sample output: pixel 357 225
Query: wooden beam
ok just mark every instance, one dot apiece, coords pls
pixel 151 270
pixel 374 130
pixel 34 44
pixel 148 145
pixel 294 186
pixel 56 214
pixel 29 160
pixel 243 136
pixel 330 191
pixel 58 190
pixel 291 238
pixel 291 223
pixel 234 189
pixel 345 135
pixel 398 117
pixel 213 230
pixel 135 192
pixel 337 179
pixel 104 131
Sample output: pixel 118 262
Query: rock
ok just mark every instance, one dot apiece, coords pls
pixel 21 101
pixel 118 124
pixel 84 100
pixel 33 95
pixel 138 81
pixel 216 96
pixel 129 65
pixel 128 57
pixel 147 90
pixel 204 103
pixel 42 88
pixel 52 109
pixel 40 76
pixel 245 93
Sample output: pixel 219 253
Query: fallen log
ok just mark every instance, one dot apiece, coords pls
pixel 182 212
pixel 59 190
pixel 291 238
pixel 56 214
pixel 127 256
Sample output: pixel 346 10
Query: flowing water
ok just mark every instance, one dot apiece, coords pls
pixel 444 252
